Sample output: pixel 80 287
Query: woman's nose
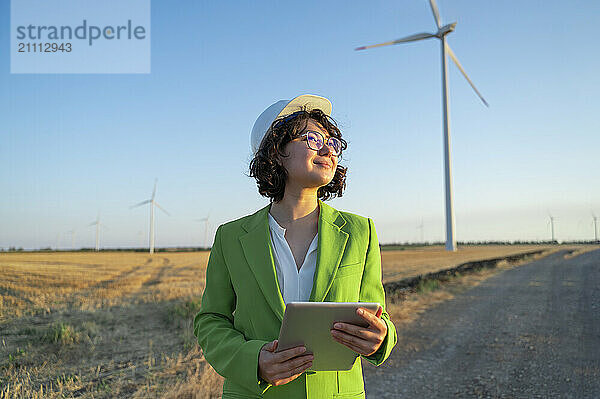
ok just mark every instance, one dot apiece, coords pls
pixel 325 150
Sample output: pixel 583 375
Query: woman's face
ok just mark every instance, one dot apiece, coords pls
pixel 307 167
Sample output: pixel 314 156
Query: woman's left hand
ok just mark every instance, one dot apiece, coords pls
pixel 363 340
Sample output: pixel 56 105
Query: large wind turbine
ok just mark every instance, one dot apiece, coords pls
pixel 441 34
pixel 152 203
pixel 595 221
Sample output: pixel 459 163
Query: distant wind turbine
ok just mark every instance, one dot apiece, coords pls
pixel 152 203
pixel 141 235
pixel 97 224
pixel 551 223
pixel 72 232
pixel 595 221
pixel 441 34
pixel 420 227
pixel 205 220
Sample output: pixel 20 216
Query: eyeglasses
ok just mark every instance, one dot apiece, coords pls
pixel 315 141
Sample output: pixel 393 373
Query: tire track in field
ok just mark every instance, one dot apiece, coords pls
pixel 7 293
pixel 169 269
pixel 118 282
pixel 158 275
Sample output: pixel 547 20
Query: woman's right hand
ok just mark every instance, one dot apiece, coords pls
pixel 278 368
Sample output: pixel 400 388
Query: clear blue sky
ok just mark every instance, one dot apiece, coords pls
pixel 73 145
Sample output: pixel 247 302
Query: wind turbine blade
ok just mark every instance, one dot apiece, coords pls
pixel 436 13
pixel 411 38
pixel 140 204
pixel 154 191
pixel 161 208
pixel 451 54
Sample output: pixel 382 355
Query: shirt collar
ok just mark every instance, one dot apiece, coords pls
pixel 314 244
pixel 275 227
pixel 280 231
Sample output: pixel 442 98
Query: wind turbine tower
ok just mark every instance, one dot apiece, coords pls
pixel 152 203
pixel 446 50
pixel 595 221
pixel 97 224
pixel 551 223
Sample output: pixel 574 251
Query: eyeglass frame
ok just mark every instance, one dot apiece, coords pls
pixel 305 134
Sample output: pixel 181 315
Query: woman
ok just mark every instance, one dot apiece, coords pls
pixel 295 249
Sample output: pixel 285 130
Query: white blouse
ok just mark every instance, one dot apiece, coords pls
pixel 295 285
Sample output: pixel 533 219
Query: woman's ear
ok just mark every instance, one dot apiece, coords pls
pixel 281 154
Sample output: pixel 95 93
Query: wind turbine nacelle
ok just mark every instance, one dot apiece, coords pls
pixel 444 30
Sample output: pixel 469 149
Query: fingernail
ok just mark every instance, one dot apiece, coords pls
pixel 360 311
pixel 338 325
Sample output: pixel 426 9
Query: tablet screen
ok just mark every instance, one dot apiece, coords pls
pixel 310 324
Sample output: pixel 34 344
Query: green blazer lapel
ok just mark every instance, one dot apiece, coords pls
pixel 256 244
pixel 330 248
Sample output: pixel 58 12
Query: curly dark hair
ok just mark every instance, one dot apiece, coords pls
pixel 268 171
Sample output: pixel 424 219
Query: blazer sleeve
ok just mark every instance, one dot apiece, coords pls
pixel 225 348
pixel 371 290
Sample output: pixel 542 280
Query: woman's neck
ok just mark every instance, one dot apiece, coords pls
pixel 296 210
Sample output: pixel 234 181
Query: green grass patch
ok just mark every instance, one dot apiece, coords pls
pixel 12 357
pixel 62 334
pixel 185 310
pixel 425 286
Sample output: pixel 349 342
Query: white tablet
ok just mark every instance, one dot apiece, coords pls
pixel 310 324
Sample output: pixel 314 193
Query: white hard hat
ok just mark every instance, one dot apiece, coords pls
pixel 283 108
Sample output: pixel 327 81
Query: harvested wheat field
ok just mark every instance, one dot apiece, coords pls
pixel 412 262
pixel 119 324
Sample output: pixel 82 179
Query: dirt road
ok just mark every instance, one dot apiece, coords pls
pixel 529 332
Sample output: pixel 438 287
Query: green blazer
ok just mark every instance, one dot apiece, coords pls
pixel 242 307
